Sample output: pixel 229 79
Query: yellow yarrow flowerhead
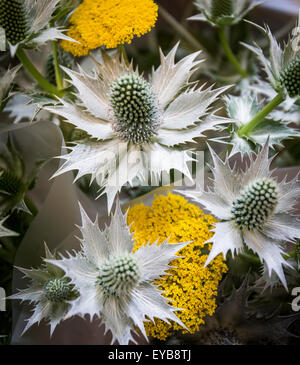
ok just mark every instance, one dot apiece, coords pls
pixel 190 286
pixel 109 23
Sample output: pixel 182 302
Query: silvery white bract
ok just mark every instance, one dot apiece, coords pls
pixel 270 282
pixel 21 107
pixel 6 80
pixel 241 110
pixel 49 291
pixel 223 12
pixel 283 64
pixel 136 125
pixel 27 23
pixel 5 232
pixel 254 210
pixel 116 284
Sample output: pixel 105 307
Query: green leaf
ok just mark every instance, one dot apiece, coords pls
pixel 275 130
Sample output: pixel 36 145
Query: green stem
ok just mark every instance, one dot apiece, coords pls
pixel 229 54
pixel 58 78
pixel 122 51
pixel 179 28
pixel 36 74
pixel 246 129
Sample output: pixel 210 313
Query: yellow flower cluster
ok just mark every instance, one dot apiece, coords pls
pixel 109 23
pixel 190 286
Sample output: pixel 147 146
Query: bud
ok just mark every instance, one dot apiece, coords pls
pixel 10 183
pixel 290 78
pixel 58 290
pixel 50 70
pixel 13 20
pixel 221 8
pixel 63 59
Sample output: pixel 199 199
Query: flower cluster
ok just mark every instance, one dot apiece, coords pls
pixel 109 23
pixel 188 284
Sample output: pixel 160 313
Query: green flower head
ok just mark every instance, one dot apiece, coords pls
pixel 50 292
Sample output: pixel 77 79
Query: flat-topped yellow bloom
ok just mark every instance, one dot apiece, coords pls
pixel 190 286
pixel 109 23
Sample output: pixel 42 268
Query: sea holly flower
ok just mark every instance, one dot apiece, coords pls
pixel 282 66
pixel 6 81
pixel 254 208
pixel 136 121
pixel 223 12
pixel 109 23
pixel 241 110
pixel 50 292
pixel 26 23
pixel 115 283
pixel 283 70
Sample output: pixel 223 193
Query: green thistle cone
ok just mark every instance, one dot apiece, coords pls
pixel 119 275
pixel 10 183
pixel 64 59
pixel 221 8
pixel 50 70
pixel 134 109
pixel 13 20
pixel 255 204
pixel 58 290
pixel 290 78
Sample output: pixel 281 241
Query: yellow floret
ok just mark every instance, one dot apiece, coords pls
pixel 109 23
pixel 190 285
